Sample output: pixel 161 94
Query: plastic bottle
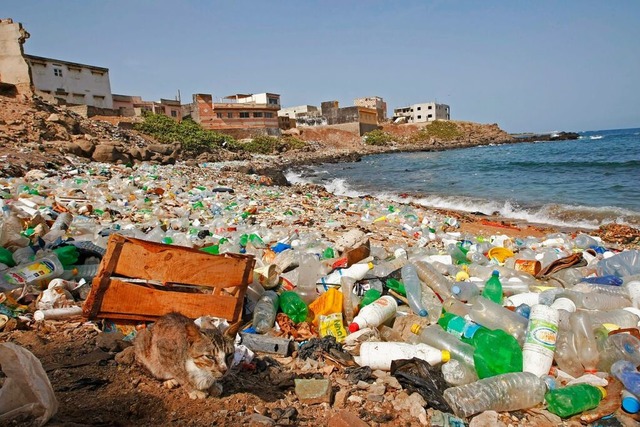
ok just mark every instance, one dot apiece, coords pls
pixel 630 403
pixel 397 286
pixel 414 290
pixel 628 375
pixel 493 288
pixel 57 313
pixel 437 337
pixel 540 342
pixel 379 355
pixel 356 271
pixel 506 392
pixel 82 271
pixel 584 241
pixel 458 256
pixel 59 227
pixel 619 317
pixel 494 316
pixel 585 341
pixel 618 347
pixel 348 307
pixel 452 305
pixel 456 373
pixel 431 302
pixel 293 306
pixel 36 273
pixel 574 399
pixel 436 281
pixel 375 314
pixel 529 298
pixel 596 301
pixel 309 271
pixel 626 263
pixel 465 291
pixel 385 268
pixel 633 289
pixel 24 255
pixel 264 313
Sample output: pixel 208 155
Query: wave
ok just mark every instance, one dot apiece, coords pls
pixel 558 215
pixel 596 137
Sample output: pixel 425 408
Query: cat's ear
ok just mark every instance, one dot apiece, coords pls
pixel 193 333
pixel 232 330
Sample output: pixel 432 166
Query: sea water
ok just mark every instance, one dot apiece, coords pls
pixel 586 182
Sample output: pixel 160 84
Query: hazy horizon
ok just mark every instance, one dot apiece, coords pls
pixel 529 67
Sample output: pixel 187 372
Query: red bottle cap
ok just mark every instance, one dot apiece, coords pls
pixel 354 327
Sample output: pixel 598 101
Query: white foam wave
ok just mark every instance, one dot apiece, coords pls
pixel 596 137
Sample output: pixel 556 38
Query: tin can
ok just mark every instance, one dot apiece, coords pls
pixel 531 266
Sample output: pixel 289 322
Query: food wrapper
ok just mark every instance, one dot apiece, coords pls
pixel 332 325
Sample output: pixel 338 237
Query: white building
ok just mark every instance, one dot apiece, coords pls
pixel 299 111
pixel 421 113
pixel 256 98
pixel 71 82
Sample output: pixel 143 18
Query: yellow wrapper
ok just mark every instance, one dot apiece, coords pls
pixel 332 325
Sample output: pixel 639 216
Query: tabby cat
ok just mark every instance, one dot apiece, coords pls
pixel 174 349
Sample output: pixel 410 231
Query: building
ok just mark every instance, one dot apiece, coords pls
pixel 135 106
pixel 422 113
pixel 15 78
pixel 299 111
pixel 71 82
pixel 376 103
pixel 239 115
pixel 355 119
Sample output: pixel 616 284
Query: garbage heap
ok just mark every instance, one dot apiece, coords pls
pixel 473 323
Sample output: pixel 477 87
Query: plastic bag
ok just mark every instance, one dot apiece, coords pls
pixel 27 392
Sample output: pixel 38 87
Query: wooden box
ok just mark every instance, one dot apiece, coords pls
pixel 141 280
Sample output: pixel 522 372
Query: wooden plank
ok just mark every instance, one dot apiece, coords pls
pixel 172 264
pixel 123 300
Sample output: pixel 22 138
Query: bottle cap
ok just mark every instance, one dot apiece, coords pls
pixel 455 289
pixel 495 273
pixel 415 328
pixel 564 304
pixel 446 356
pixel 602 390
pixel 423 313
pixel 354 327
pixel 630 404
pixel 462 276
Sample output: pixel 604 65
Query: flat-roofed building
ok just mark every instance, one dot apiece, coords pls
pixel 421 113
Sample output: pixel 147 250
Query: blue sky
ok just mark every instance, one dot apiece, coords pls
pixel 528 66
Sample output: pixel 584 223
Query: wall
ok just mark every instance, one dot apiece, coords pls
pixel 376 103
pixel 71 82
pixel 14 69
pixel 293 112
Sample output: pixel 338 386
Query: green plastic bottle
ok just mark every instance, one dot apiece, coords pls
pixel 574 399
pixel 493 288
pixel 370 296
pixel 396 285
pixel 496 353
pixel 293 306
pixel 6 257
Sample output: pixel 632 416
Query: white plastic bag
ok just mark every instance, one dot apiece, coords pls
pixel 26 390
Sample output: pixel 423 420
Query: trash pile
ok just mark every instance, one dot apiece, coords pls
pixel 472 323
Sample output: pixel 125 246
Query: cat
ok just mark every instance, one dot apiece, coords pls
pixel 174 349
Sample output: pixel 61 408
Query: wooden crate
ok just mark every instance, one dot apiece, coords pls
pixel 167 278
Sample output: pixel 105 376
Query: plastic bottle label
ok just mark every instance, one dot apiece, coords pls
pixel 31 272
pixel 542 334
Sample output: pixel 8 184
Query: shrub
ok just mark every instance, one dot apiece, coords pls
pixel 293 143
pixel 262 145
pixel 378 137
pixel 439 129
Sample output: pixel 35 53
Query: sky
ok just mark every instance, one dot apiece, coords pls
pixel 529 66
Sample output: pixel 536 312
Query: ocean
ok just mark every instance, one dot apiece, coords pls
pixel 584 183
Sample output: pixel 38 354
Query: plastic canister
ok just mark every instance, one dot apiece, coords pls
pixel 379 355
pixel 540 342
pixel 375 314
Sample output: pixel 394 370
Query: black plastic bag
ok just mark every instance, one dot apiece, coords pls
pixel 416 375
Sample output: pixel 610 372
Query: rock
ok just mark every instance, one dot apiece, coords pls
pixel 71 148
pixel 340 399
pixel 346 419
pixel 54 118
pixel 126 356
pixel 86 145
pixel 486 419
pixel 163 148
pixel 313 391
pixel 104 153
pixel 257 419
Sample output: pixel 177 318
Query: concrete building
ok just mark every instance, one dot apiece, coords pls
pixel 375 102
pixel 241 115
pixel 15 78
pixel 422 113
pixel 71 82
pixel 299 111
pixel 355 119
pixel 135 106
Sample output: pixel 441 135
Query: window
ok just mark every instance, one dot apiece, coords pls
pixel 430 116
pixel 229 115
pixel 244 115
pixel 257 114
pixel 174 113
pixel 268 115
pixel 430 107
pixel 57 72
pixel 219 115
pixel 419 117
pixel 419 108
pixel 273 101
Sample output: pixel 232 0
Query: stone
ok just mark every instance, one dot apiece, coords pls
pixel 104 153
pixel 345 418
pixel 86 145
pixel 257 419
pixel 486 419
pixel 313 391
pixel 54 118
pixel 340 398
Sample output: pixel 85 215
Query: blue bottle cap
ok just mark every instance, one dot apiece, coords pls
pixel 423 313
pixel 455 289
pixel 630 404
pixel 495 273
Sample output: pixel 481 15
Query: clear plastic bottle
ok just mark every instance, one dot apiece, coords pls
pixel 626 263
pixel 596 301
pixel 437 337
pixel 620 317
pixel 506 392
pixel 584 241
pixel 628 375
pixel 436 281
pixel 494 316
pixel 379 355
pixel 309 271
pixel 24 255
pixel 264 313
pixel 457 373
pixel 453 306
pixel 59 227
pixel 465 291
pixel 385 268
pixel 585 341
pixel 414 290
pixel 618 347
pixel 375 314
